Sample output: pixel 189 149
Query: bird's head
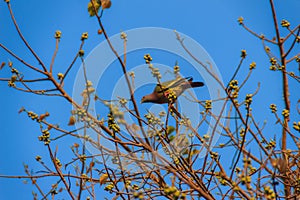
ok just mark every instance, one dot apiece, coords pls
pixel 152 98
pixel 144 99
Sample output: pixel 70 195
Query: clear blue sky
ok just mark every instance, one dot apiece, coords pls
pixel 211 23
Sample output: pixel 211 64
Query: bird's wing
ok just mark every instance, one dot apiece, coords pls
pixel 171 84
pixel 176 82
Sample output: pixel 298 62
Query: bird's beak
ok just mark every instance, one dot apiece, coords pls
pixel 142 100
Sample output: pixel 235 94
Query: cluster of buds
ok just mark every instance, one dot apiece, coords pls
pixel 132 74
pixel 15 72
pixel 252 65
pixel 112 125
pixel 233 84
pixel 292 74
pixel 117 114
pixel 135 187
pixel 58 163
pixel 45 137
pixel 206 137
pixel 147 58
pixel 271 145
pixel 109 187
pixel 123 102
pixel 57 34
pixel 285 23
pixel 273 62
pixel 84 36
pixel 273 68
pixel 245 180
pixel 11 82
pixel 155 71
pixel 221 179
pixel 89 89
pixel 296 126
pixel 273 108
pixel 174 192
pixel 246 161
pixel 171 96
pixel 243 53
pixel 285 113
pixel 185 122
pixel 236 188
pixel 248 100
pixel 175 159
pixel 53 190
pixel 176 69
pixel 38 158
pixel 152 119
pixel 242 132
pixel 221 145
pixel 82 157
pixel 208 105
pixel 214 155
pixel 162 114
pixel 81 114
pixel 252 169
pixel 85 177
pixel 60 76
pixel 237 170
pixel 240 20
pixel 123 36
pixel 138 195
pixel 282 67
pixel 269 193
pixel 81 52
pixel 32 115
pixel 234 88
pixel 128 184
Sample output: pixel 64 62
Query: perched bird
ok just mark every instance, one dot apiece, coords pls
pixel 169 91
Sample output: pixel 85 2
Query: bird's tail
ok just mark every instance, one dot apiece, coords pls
pixel 193 84
pixel 196 84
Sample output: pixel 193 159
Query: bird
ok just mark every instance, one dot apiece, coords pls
pixel 162 91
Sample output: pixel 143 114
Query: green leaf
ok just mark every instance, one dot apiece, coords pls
pixel 91 9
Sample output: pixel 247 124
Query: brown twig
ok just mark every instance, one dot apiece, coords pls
pixel 23 39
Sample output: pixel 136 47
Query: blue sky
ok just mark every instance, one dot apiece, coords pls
pixel 212 23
